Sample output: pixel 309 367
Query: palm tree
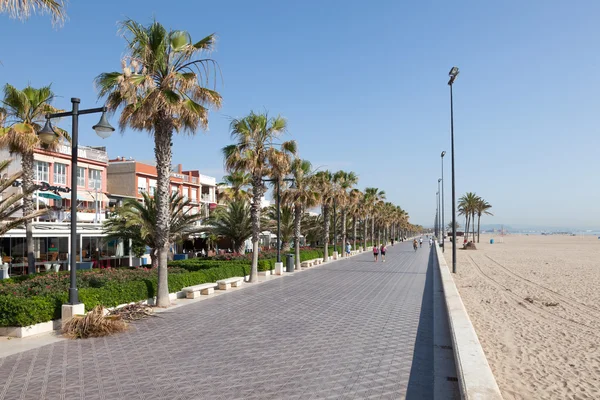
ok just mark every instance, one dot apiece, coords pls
pixel 372 197
pixel 355 209
pixel 137 221
pixel 287 223
pixel 233 187
pixel 161 90
pixel 22 9
pixel 10 204
pixel 481 208
pixel 302 196
pixel 24 111
pixel 467 207
pixel 232 222
pixel 343 181
pixel 322 184
pixel 257 152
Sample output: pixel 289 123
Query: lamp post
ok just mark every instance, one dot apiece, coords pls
pixel 440 205
pixel 47 135
pixel 437 213
pixel 277 183
pixel 443 226
pixel 334 226
pixel 453 74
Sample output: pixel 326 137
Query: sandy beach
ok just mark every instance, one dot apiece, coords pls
pixel 535 304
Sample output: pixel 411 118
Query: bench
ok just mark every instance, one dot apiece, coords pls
pixel 306 264
pixel 191 292
pixel 319 261
pixel 225 284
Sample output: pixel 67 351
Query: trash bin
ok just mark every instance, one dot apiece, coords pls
pixel 491 241
pixel 289 263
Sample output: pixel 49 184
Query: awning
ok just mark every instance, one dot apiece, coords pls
pixel 84 195
pixel 49 195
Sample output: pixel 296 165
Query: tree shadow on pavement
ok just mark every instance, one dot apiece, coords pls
pixel 420 381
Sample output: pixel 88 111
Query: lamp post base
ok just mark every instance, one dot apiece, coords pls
pixel 70 310
pixel 278 268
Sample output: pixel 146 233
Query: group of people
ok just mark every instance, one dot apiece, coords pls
pixel 377 250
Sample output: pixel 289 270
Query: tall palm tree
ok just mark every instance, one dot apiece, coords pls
pixel 467 207
pixel 355 209
pixel 257 152
pixel 24 111
pixel 372 197
pixel 232 222
pixel 22 9
pixel 302 196
pixel 343 182
pixel 137 221
pixel 322 183
pixel 234 185
pixel 10 204
pixel 481 208
pixel 161 90
pixel 287 223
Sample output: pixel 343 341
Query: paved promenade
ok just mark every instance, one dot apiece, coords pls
pixel 351 329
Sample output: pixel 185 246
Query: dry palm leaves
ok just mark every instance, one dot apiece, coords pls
pixel 133 312
pixel 93 324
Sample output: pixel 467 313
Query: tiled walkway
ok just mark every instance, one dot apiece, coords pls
pixel 352 329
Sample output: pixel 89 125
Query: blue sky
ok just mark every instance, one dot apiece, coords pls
pixel 364 88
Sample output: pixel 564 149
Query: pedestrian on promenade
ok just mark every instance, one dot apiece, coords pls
pixel 383 253
pixel 348 248
pixel 375 252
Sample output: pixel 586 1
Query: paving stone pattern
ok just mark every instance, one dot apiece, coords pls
pixel 345 330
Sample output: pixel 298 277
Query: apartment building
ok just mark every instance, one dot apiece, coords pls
pixel 53 168
pixel 128 178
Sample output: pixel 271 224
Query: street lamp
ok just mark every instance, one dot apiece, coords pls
pixel 443 226
pixel 453 74
pixel 47 135
pixel 277 183
pixel 440 233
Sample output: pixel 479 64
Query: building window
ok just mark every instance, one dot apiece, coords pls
pixel 174 189
pixel 95 179
pixel 41 171
pixel 60 174
pixel 141 185
pixel 194 194
pixel 80 176
pixel 152 186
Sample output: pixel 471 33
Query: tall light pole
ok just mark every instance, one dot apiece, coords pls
pixel 453 74
pixel 437 213
pixel 277 184
pixel 439 210
pixel 47 135
pixel 443 222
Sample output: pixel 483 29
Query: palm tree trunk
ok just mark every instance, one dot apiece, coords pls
pixel 373 231
pixel 365 220
pixel 297 220
pixel 473 218
pixel 163 153
pixel 326 223
pixel 478 226
pixel 27 165
pixel 343 232
pixel 354 231
pixel 154 258
pixel 257 192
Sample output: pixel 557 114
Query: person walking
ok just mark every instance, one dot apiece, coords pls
pixel 375 252
pixel 348 248
pixel 383 253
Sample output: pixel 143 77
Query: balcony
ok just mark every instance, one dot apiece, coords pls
pixel 89 153
pixel 208 180
pixel 207 198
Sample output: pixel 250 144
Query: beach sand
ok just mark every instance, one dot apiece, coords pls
pixel 535 304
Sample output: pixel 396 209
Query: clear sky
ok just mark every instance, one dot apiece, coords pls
pixel 364 88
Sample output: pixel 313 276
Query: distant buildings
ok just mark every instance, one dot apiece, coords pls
pixel 101 185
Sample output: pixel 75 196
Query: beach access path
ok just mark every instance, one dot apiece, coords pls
pixel 346 329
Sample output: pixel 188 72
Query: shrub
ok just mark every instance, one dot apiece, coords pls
pixel 19 311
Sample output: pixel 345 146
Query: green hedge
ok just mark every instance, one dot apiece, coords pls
pixel 24 311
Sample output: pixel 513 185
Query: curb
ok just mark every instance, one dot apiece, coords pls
pixel 475 377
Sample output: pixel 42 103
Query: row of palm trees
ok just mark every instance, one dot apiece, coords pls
pixel 166 85
pixel 470 205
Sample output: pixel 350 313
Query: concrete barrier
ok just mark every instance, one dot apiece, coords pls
pixel 475 377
